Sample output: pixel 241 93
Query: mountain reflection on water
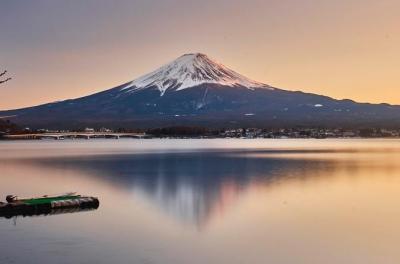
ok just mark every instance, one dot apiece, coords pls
pixel 207 201
pixel 192 186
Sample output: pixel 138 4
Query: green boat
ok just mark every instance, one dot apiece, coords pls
pixel 47 199
pixel 45 204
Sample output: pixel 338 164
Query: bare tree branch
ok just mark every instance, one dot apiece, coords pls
pixel 5 80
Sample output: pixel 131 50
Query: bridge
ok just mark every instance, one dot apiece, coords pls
pixel 76 135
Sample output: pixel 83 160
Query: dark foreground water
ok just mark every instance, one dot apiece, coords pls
pixel 207 201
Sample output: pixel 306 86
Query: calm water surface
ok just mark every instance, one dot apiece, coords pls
pixel 207 201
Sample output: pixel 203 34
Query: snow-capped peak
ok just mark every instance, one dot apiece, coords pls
pixel 188 71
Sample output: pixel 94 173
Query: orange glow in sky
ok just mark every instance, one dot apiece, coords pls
pixel 68 49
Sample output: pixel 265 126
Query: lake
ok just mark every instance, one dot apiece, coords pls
pixel 195 201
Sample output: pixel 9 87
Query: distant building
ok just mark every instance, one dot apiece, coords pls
pixel 89 130
pixel 349 134
pixel 105 130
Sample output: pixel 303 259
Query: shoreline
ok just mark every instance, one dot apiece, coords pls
pixel 186 138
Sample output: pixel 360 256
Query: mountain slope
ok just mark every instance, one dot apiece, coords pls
pixel 188 71
pixel 195 90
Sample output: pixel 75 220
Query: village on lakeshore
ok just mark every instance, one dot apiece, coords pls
pixel 197 132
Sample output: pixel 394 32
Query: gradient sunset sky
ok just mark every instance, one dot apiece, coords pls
pixel 56 49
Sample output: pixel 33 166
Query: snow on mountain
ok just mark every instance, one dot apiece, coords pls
pixel 188 71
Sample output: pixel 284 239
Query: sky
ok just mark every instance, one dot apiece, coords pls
pixel 55 50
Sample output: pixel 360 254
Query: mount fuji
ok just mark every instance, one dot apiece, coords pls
pixel 194 90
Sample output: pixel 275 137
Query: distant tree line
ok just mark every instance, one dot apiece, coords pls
pixel 182 131
pixel 7 127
